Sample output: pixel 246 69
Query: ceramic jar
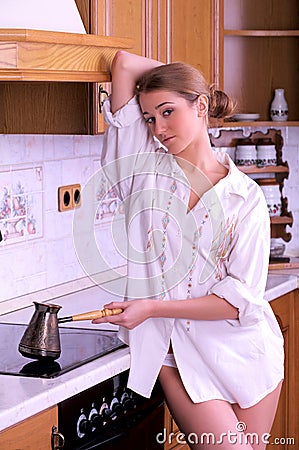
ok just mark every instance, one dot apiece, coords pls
pixel 272 194
pixel 266 155
pixel 245 153
pixel 279 107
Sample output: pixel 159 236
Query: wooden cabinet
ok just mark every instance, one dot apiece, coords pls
pixel 286 423
pixel 33 433
pixel 258 52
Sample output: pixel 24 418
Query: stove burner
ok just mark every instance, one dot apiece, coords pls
pixel 78 346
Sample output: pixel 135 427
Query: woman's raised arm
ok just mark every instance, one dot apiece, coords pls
pixel 126 69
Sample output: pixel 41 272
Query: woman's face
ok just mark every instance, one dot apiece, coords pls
pixel 172 119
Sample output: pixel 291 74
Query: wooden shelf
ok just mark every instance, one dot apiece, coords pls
pixel 265 169
pixel 269 124
pixel 262 33
pixel 281 220
pixel 34 55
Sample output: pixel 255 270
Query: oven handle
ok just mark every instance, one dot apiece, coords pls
pixel 57 439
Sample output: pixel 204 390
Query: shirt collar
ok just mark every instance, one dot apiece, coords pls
pixel 235 180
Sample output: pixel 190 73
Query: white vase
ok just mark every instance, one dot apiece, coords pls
pixel 279 107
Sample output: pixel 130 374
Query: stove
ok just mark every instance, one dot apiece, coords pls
pixel 78 346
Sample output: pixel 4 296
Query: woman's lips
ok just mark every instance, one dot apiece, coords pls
pixel 168 139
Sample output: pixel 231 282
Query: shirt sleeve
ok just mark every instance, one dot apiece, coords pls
pixel 247 264
pixel 126 145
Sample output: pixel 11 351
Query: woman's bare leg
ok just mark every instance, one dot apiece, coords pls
pixel 258 419
pixel 215 423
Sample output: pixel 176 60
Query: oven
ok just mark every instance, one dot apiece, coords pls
pixel 106 416
pixel 109 416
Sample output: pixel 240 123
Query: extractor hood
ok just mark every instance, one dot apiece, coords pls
pixel 37 55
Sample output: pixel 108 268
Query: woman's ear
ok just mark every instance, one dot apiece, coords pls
pixel 202 105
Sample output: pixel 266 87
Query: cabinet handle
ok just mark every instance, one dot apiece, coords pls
pixel 102 95
pixel 57 439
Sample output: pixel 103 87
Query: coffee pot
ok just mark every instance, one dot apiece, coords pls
pixel 41 337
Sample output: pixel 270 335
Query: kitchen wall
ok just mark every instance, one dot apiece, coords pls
pixel 37 250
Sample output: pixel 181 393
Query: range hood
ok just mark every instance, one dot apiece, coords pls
pixel 37 55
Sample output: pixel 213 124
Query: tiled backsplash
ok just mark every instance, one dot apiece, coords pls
pixel 37 251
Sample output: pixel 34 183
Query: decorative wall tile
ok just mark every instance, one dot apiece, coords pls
pixel 21 204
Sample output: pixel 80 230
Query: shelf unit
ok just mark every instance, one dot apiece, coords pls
pixel 258 46
pixel 229 138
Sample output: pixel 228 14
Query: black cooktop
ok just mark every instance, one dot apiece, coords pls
pixel 78 346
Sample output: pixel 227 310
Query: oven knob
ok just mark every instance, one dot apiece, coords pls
pixel 83 425
pixel 127 402
pixel 107 414
pixel 94 419
pixel 116 407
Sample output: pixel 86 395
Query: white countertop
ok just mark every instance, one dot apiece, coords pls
pixel 22 397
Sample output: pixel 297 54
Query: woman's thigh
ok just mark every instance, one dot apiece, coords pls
pixel 215 423
pixel 258 419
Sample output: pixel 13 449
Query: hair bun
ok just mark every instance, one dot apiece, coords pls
pixel 221 105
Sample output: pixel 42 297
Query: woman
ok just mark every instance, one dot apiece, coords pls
pixel 198 246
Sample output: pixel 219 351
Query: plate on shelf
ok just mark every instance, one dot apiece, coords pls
pixel 245 117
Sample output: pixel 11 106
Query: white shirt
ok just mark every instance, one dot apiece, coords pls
pixel 224 240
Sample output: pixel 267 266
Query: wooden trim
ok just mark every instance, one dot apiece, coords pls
pixel 262 33
pixel 31 55
pixel 217 59
pixel 57 37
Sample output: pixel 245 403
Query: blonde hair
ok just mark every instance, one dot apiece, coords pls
pixel 187 82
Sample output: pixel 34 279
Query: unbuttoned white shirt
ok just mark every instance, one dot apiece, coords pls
pixel 221 246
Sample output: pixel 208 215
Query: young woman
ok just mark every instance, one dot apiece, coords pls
pixel 198 246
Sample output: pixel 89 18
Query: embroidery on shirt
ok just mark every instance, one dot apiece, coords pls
pixel 221 245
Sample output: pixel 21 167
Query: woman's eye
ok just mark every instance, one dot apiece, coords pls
pixel 150 120
pixel 167 112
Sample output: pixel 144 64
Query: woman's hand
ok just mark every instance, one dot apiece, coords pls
pixel 134 313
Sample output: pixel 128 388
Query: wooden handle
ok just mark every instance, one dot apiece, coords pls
pixel 97 314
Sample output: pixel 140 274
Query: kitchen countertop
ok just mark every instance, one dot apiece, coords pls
pixel 22 397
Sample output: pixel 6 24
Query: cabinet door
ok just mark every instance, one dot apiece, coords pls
pixel 285 423
pixel 33 433
pixel 192 34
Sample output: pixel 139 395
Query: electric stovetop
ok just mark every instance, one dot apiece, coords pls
pixel 78 346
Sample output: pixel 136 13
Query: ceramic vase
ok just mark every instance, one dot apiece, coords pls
pixel 279 107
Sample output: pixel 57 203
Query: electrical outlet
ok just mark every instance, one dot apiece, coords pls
pixel 69 197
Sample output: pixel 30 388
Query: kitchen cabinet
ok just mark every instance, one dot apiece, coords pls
pixel 258 46
pixel 286 309
pixel 33 433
